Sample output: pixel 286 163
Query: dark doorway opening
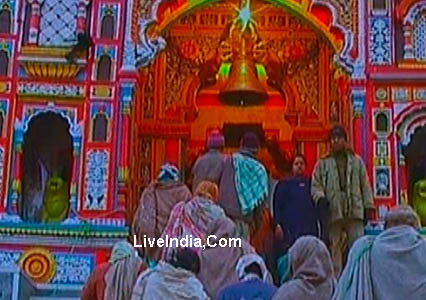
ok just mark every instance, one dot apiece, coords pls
pixel 47 164
pixel 415 154
pixel 234 132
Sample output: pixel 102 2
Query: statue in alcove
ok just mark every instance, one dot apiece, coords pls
pixel 48 192
pixel 55 200
pixel 382 183
pixel 419 199
pixel 47 166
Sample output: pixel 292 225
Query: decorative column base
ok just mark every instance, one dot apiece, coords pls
pixel 358 104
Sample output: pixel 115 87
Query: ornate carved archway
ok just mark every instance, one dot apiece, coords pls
pixel 21 126
pixel 332 19
pixel 406 124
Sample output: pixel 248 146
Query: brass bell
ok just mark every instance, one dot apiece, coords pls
pixel 243 87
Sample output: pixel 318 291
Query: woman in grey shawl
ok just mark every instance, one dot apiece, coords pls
pixel 310 271
pixel 114 280
pixel 218 263
pixel 172 280
pixel 391 266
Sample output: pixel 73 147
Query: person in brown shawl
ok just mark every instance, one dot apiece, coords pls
pixel 156 203
pixel 310 272
pixel 114 280
pixel 218 263
pixel 209 166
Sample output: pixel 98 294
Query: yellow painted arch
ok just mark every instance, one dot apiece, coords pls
pixel 300 10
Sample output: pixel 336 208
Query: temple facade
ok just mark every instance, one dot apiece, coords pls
pixel 63 113
pixel 96 94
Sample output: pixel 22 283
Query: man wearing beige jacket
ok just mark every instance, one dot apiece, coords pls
pixel 340 183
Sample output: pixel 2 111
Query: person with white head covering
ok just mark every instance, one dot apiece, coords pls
pixel 172 280
pixel 255 281
pixel 390 266
pixel 156 203
pixel 114 280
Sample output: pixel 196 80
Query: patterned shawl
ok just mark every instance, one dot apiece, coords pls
pixel 251 182
pixel 191 219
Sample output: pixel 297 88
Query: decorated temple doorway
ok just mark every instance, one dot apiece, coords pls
pixel 235 66
pixel 415 154
pixel 47 168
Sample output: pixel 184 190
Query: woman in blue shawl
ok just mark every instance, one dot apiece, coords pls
pixel 294 208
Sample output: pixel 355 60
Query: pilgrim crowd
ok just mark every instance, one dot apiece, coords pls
pixel 302 238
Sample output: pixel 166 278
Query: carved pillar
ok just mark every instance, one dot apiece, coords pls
pixel 358 103
pixel 359 65
pixel 76 138
pixel 34 20
pixel 126 97
pixel 129 51
pixel 82 16
pixel 129 56
pixel 16 192
pixel 408 42
pixel 403 182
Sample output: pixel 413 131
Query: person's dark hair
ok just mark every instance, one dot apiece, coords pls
pixel 215 140
pixel 298 155
pixel 250 141
pixel 338 130
pixel 186 259
pixel 254 268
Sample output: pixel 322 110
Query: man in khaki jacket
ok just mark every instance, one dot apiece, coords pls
pixel 340 183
